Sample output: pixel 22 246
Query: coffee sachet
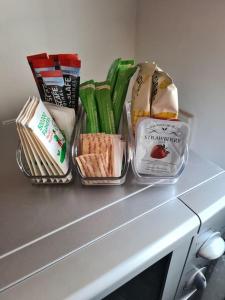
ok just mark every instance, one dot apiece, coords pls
pixel 55 83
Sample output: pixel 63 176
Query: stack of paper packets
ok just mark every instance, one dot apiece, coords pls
pixel 45 145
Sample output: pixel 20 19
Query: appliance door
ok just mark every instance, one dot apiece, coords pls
pixel 159 281
pixel 149 284
pixel 204 274
pixel 215 278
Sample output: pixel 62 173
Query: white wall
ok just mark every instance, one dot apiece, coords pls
pixel 99 31
pixel 187 39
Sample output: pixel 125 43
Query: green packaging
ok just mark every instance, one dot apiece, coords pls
pixel 87 128
pixel 125 73
pixel 112 73
pixel 128 62
pixel 104 104
pixel 87 96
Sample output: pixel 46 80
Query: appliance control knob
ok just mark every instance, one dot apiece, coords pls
pixel 197 279
pixel 213 247
pixel 200 281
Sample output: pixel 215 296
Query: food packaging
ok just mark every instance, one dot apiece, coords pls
pixel 87 96
pixel 57 57
pixel 40 65
pixel 64 117
pixel 91 150
pixel 70 67
pixel 164 98
pixel 30 60
pixel 104 105
pixel 53 80
pixel 125 72
pixel 69 64
pixel 154 95
pixel 160 150
pixel 44 152
pixel 112 73
pixel 141 93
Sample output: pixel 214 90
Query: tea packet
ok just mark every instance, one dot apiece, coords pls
pixel 55 83
pixel 160 147
pixel 70 67
pixel 64 117
pixel 24 142
pixel 45 147
pixel 40 65
pixel 57 57
pixel 31 59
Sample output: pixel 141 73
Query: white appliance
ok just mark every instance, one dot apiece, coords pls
pixel 96 242
pixel 205 263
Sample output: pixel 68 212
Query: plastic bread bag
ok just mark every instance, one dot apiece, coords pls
pixel 164 96
pixel 70 67
pixel 160 146
pixel 54 81
pixel 87 96
pixel 39 66
pixel 125 72
pixel 141 93
pixel 104 105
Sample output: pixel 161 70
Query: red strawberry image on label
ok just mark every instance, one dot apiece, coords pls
pixel 159 152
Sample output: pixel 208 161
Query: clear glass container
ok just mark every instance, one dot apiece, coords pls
pixel 124 132
pixel 153 179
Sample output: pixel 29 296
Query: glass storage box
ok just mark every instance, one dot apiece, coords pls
pixel 124 132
